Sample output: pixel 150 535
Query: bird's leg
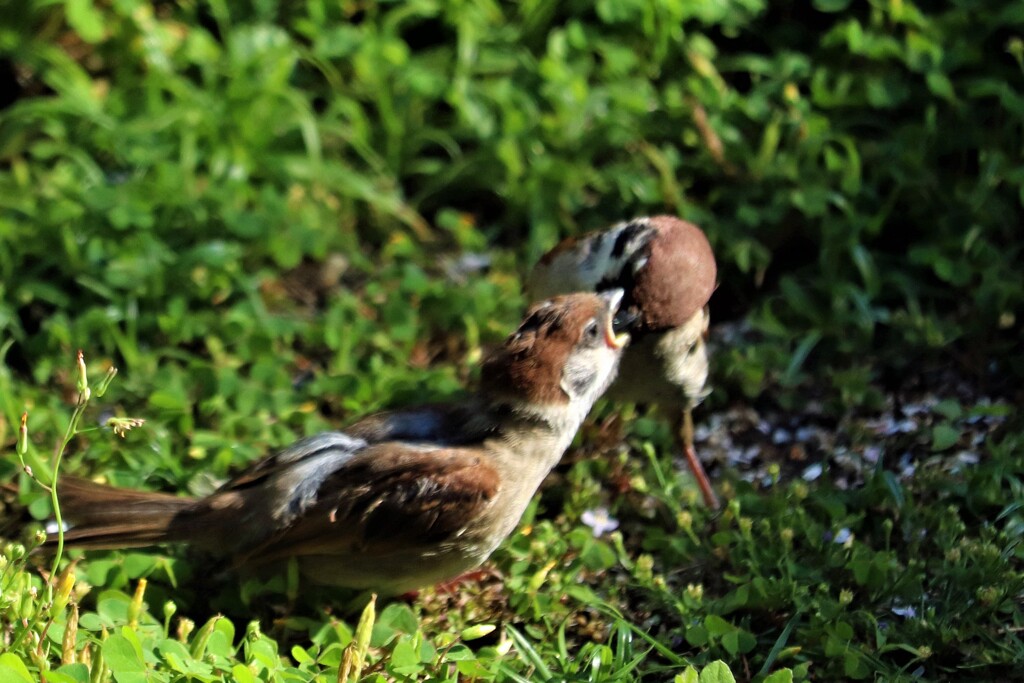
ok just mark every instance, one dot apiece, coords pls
pixel 451 586
pixel 686 437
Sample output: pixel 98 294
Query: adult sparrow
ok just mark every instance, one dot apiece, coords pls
pixel 403 498
pixel 667 270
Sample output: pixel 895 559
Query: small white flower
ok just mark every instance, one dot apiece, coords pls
pixel 599 521
pixel 907 612
pixel 812 472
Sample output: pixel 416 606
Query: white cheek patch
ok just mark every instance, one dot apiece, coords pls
pixel 588 374
pixel 577 378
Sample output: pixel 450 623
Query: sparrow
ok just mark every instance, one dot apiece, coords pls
pixel 667 270
pixel 403 498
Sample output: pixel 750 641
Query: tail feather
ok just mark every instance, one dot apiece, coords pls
pixel 105 517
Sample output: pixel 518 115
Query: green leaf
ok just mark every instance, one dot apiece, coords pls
pixel 780 676
pixel 122 656
pixel 472 669
pixel 843 630
pixel 400 617
pixel 944 436
pixel 717 626
pixel 477 631
pixel 855 666
pixel 221 642
pixel 180 659
pixel 582 593
pixel 70 673
pixel 597 555
pixel 950 409
pixel 85 19
pixel 139 564
pixel 60 676
pixel 529 653
pixel 263 651
pixel 300 655
pixel 405 660
pixel 717 672
pixel 689 675
pixel 13 669
pixel 894 487
pixel 40 508
pixel 364 633
pixel 202 637
pixel 731 642
pixel 242 674
pixel 831 5
pixel 940 84
pixel 697 635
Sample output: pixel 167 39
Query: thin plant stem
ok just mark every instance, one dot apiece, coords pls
pixel 72 430
pixel 84 394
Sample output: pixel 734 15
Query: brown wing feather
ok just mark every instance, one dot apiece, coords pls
pixel 385 497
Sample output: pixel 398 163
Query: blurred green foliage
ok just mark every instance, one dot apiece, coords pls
pixel 269 215
pixel 859 162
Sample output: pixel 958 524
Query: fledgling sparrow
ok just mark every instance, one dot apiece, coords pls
pixel 667 270
pixel 402 498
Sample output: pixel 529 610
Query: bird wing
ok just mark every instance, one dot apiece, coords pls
pixel 386 496
pixel 593 262
pixel 276 492
pixel 331 448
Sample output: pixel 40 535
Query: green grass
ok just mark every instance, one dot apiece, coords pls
pixel 266 216
pixel 916 577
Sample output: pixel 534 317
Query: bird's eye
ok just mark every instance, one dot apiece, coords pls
pixel 592 331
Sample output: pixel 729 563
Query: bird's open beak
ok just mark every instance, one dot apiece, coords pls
pixel 615 341
pixel 624 320
pixel 612 336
